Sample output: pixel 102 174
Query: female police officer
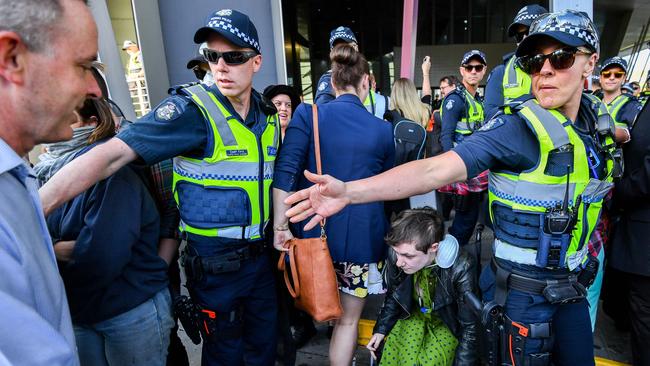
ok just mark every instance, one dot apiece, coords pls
pixel 548 168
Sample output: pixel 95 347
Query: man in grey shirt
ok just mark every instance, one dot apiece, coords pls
pixel 47 49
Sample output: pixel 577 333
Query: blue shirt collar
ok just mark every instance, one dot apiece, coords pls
pixel 9 160
pixel 350 98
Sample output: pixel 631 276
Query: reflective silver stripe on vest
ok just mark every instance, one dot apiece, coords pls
pixel 557 133
pixel 222 170
pixel 529 193
pixel 512 74
pixel 617 102
pixel 513 253
pixel 463 126
pixel 213 111
pixel 235 232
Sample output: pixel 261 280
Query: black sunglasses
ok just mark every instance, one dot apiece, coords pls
pixel 560 59
pixel 230 57
pixel 520 36
pixel 469 68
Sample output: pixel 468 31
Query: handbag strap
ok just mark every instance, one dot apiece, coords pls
pixel 319 166
pixel 294 290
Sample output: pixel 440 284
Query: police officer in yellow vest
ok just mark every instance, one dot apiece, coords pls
pixel 622 107
pixel 461 113
pixel 550 161
pixel 507 82
pixel 224 140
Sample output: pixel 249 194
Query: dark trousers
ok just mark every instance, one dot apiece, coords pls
pixel 251 290
pixel 572 342
pixel 467 209
pixel 631 307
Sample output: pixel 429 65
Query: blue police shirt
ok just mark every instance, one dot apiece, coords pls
pixel 324 91
pixel 177 127
pixel 454 109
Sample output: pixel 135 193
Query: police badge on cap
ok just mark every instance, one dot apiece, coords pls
pixel 234 26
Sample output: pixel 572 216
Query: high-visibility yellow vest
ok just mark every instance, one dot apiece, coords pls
pixel 534 191
pixel 615 107
pixel 474 114
pixel 516 83
pixel 226 194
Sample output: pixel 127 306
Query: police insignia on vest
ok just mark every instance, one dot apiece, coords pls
pixel 322 86
pixel 166 112
pixel 492 124
pixel 450 104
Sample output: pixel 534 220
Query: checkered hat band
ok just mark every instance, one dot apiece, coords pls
pixel 526 17
pixel 588 37
pixel 342 36
pixel 215 23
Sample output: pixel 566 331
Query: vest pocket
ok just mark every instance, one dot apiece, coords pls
pixel 211 207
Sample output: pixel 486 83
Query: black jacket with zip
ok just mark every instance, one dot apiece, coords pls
pixel 448 303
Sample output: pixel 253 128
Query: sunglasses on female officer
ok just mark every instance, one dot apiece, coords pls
pixel 230 57
pixel 559 59
pixel 617 74
pixel 469 68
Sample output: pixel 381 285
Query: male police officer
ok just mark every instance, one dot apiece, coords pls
pixel 224 140
pixel 507 82
pixel 622 107
pixel 375 103
pixel 549 170
pixel 462 113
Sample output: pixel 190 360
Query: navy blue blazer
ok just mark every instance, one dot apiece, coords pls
pixel 354 145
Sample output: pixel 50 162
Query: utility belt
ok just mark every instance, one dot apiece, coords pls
pixel 201 322
pixel 196 267
pixel 559 289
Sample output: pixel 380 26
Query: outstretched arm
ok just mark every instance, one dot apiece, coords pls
pixel 83 172
pixel 329 195
pixel 426 83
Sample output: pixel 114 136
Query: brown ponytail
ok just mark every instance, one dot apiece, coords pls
pixel 348 66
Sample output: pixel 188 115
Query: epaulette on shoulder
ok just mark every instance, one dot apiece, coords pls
pixel 176 89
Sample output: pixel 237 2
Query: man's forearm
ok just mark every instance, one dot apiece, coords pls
pixel 416 177
pixel 83 172
pixel 167 249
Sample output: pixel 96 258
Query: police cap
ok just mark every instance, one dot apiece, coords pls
pixel 234 26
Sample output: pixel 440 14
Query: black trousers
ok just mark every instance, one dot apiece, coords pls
pixel 639 300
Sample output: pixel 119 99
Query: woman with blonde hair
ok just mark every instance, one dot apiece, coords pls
pixel 405 103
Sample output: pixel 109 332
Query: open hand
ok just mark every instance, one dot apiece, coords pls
pixel 325 198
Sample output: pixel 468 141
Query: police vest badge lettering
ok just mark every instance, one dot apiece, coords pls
pixel 167 112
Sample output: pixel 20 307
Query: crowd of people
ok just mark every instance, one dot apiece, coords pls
pixel 553 161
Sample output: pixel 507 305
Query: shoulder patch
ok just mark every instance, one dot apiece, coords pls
pixel 492 124
pixel 167 111
pixel 322 86
pixel 450 104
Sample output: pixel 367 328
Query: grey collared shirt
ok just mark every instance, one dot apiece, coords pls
pixel 34 313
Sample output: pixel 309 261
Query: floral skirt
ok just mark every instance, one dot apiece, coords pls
pixel 360 279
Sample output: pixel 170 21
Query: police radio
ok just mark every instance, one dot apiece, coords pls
pixel 555 235
pixel 560 219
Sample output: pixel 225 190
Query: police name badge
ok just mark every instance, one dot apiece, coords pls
pixel 167 112
pixel 450 104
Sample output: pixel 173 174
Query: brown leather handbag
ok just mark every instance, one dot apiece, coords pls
pixel 313 282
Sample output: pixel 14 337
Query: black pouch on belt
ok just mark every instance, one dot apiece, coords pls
pixel 564 292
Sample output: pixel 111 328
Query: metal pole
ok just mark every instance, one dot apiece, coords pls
pixel 409 36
